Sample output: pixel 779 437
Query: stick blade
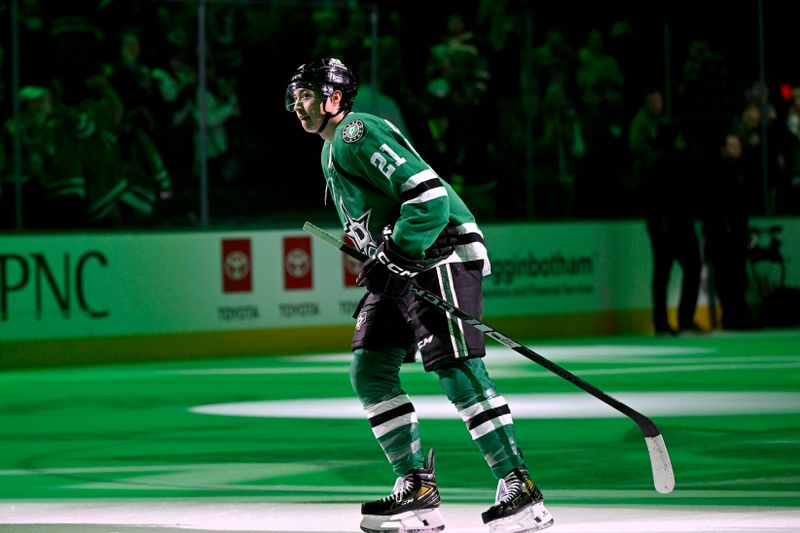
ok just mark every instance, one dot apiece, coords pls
pixel 311 229
pixel 663 476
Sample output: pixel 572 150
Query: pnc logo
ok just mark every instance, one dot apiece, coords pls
pixel 35 280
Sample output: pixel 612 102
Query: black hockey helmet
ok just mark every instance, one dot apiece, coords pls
pixel 324 76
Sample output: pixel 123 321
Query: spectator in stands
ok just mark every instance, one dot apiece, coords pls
pixel 726 231
pixel 748 127
pixel 97 125
pixel 222 106
pixel 790 197
pixel 656 147
pixel 459 77
pixel 177 83
pixel 139 162
pixel 54 188
pixel 759 94
pixel 72 163
pixel 143 91
pixel 133 82
pixel 599 72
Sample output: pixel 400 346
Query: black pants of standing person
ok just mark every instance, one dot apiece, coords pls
pixel 674 239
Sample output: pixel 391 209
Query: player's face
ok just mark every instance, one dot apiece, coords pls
pixel 308 108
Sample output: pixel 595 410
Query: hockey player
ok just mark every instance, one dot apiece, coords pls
pixel 414 228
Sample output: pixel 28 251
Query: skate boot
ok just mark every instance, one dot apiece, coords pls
pixel 519 505
pixel 412 507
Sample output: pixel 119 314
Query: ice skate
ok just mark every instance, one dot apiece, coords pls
pixel 412 507
pixel 519 506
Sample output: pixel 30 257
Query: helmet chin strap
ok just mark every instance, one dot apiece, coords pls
pixel 328 115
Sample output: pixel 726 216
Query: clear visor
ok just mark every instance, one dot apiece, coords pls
pixel 301 94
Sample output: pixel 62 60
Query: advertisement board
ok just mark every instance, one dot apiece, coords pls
pixel 567 268
pixel 61 286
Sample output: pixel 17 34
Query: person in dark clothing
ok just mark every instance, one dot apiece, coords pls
pixel 725 228
pixel 657 149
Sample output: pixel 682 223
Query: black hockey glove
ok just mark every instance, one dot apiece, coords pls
pixel 389 272
pixel 444 245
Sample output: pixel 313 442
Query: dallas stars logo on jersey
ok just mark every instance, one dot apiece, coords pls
pixel 353 131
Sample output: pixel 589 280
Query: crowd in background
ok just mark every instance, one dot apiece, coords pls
pixel 527 113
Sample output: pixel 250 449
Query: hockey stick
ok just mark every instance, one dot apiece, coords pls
pixel 663 477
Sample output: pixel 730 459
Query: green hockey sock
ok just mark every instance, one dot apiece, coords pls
pixel 485 413
pixel 375 379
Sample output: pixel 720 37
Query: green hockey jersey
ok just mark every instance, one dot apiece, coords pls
pixel 375 178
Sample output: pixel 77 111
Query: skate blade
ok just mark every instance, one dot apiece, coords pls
pixel 420 521
pixel 533 518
